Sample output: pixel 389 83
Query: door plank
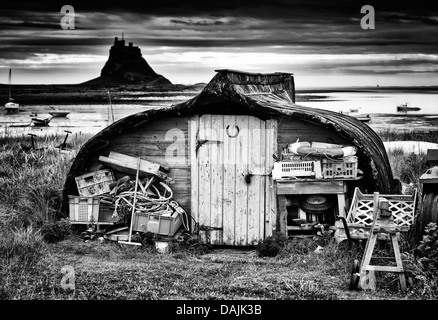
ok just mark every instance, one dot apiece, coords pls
pixel 263 181
pixel 241 186
pixel 229 183
pixel 216 156
pixel 271 199
pixel 204 172
pixel 193 129
pixel 254 194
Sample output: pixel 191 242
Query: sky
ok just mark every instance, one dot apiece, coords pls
pixel 321 42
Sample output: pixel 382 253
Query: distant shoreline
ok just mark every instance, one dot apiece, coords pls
pixel 35 94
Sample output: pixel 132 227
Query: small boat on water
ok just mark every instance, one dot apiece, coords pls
pixel 41 122
pixel 59 113
pixel 11 106
pixel 407 107
pixel 366 118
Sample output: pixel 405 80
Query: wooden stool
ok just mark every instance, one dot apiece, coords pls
pixel 382 223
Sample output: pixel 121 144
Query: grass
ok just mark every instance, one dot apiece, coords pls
pixel 31 267
pixel 408 168
pixel 412 135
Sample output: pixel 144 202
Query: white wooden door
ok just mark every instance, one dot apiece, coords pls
pixel 232 192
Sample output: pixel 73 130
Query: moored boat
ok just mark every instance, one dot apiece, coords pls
pixel 407 107
pixel 366 118
pixel 41 122
pixel 59 113
pixel 11 106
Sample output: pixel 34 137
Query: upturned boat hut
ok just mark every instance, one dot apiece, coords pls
pixel 221 145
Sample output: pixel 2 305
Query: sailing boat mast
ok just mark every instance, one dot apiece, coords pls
pixel 11 106
pixel 110 107
pixel 10 75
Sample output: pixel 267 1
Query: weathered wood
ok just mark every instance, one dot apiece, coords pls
pixel 281 215
pixel 241 196
pixel 341 205
pixel 229 222
pixel 217 154
pixel 128 160
pixel 127 167
pixel 394 240
pixel 383 268
pixel 194 201
pixel 264 180
pixel 172 162
pixel 270 190
pixel 256 182
pixel 223 90
pixel 304 187
pixel 380 220
pixel 204 172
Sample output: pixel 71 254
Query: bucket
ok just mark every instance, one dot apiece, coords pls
pixel 162 246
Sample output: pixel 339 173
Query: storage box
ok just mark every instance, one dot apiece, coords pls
pixel 288 169
pixel 342 168
pixel 94 183
pixel 83 209
pixel 90 210
pixel 106 212
pixel 157 223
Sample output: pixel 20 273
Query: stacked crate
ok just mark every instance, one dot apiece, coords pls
pixel 86 208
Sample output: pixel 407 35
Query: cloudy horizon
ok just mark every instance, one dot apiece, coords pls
pixel 323 44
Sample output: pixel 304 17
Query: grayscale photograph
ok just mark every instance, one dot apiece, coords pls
pixel 219 155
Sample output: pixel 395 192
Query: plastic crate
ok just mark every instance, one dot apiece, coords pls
pixel 90 210
pixel 291 157
pixel 164 224
pixel 83 209
pixel 342 168
pixel 286 169
pixel 94 183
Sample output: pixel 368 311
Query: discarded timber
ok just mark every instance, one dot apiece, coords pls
pixel 127 164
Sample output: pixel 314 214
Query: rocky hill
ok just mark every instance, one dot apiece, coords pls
pixel 126 65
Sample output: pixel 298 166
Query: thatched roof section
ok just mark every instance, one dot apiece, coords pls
pixel 262 95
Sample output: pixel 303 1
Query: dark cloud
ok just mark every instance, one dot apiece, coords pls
pixel 203 22
pixel 280 26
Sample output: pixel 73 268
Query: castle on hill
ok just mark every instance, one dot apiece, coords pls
pixel 126 65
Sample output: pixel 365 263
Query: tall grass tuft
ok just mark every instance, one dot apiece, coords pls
pixel 407 167
pixel 413 135
pixel 31 181
pixel 21 249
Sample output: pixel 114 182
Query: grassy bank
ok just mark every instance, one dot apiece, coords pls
pixel 32 258
pixel 413 135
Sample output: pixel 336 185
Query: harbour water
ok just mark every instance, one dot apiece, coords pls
pixel 91 118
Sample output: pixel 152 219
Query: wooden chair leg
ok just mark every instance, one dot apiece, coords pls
pixel 394 239
pixel 366 260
